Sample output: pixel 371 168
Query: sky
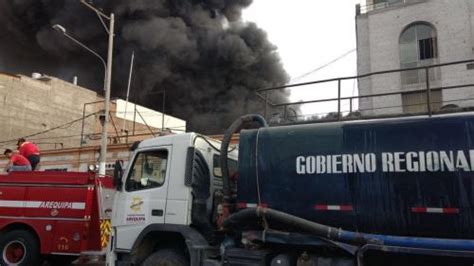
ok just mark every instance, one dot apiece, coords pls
pixel 310 34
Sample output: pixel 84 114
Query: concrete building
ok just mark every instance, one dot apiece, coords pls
pixel 394 34
pixel 57 114
pixel 33 105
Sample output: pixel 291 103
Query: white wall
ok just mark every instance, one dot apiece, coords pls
pixel 378 34
pixel 152 117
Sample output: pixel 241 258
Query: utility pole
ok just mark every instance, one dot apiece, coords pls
pixel 108 80
pixel 104 140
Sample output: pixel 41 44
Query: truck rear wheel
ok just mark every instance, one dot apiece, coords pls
pixel 19 247
pixel 166 257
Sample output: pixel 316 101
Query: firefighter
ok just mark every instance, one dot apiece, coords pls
pixel 30 151
pixel 17 162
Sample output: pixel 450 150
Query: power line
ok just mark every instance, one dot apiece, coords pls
pixel 323 66
pixel 138 133
pixel 63 126
pixel 69 124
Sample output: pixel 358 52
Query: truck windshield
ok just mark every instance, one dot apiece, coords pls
pixel 233 166
pixel 148 170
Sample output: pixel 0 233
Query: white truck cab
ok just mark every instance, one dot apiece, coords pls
pixel 166 198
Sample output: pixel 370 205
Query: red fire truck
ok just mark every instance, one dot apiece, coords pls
pixel 51 214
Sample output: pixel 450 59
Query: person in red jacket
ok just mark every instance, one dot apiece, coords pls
pixel 16 162
pixel 30 151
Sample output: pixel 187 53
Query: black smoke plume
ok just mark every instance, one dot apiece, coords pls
pixel 200 52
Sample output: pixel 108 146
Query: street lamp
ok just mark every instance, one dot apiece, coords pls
pixel 62 30
pixel 108 79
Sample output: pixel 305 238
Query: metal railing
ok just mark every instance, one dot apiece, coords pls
pixel 363 9
pixel 264 94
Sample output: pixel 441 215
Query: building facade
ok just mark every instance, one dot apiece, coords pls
pixel 396 34
pixel 56 114
pixel 32 105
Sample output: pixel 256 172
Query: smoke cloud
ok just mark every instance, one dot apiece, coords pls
pixel 200 52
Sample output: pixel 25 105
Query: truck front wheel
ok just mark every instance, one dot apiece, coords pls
pixel 19 247
pixel 166 257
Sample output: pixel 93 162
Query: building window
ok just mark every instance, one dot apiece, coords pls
pixel 418 47
pixel 427 48
pixel 415 102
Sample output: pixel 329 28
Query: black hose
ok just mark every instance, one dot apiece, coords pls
pixel 289 220
pixel 234 128
pixel 344 236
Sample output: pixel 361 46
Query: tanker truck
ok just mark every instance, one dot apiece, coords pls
pixel 395 191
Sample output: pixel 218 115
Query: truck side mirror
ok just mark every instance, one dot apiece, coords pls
pixel 118 173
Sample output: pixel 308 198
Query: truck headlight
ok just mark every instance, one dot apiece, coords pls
pixel 92 167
